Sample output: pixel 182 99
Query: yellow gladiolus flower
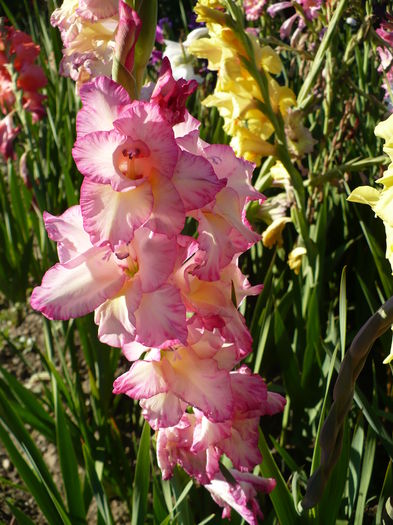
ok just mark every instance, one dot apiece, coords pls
pixel 273 233
pixel 237 95
pixel 295 258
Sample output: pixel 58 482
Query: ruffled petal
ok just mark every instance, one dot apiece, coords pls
pixel 215 244
pixel 242 446
pixel 144 379
pixel 156 255
pixel 237 171
pixel 184 128
pixel 200 383
pixel 195 180
pixel 161 316
pixel 102 101
pixel 94 10
pixel 79 286
pixel 275 404
pixel 208 434
pixel 163 410
pixel 115 318
pixel 249 390
pixel 168 215
pixel 67 230
pixel 228 206
pixel 113 216
pixel 93 155
pixel 240 496
pixel 133 350
pixel 143 122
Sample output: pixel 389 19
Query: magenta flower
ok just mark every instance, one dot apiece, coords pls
pixel 18 54
pixel 224 231
pixel 171 95
pixel 88 29
pixel 212 301
pixel 127 34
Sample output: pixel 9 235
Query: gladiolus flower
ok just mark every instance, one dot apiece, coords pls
pixel 124 287
pixel 168 300
pixel 133 164
pixel 7 136
pixel 237 93
pixel 381 201
pixel 273 233
pixel 310 8
pixel 241 494
pixel 295 258
pixel 253 8
pixel 181 61
pixel 18 53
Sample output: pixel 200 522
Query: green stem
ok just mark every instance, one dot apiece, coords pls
pixel 354 165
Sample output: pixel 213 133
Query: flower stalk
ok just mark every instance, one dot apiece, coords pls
pixel 332 431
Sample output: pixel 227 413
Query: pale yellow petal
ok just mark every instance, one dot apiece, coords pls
pixel 273 233
pixel 365 195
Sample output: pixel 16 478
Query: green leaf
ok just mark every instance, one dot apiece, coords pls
pixel 179 482
pixel 387 490
pixel 291 463
pixel 343 310
pixel 142 479
pixel 69 464
pixel 104 511
pixel 280 497
pixel 317 64
pixel 355 460
pixel 333 493
pixel 367 468
pixel 29 476
pixel 29 405
pixel 313 329
pixel 12 423
pixel 183 494
pixel 317 448
pixel 20 516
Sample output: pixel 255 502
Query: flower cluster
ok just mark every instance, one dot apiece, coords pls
pixel 385 32
pixel 18 72
pixel 253 8
pixel 88 30
pixel 167 299
pixel 237 93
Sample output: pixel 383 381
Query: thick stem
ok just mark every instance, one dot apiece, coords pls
pixel 332 430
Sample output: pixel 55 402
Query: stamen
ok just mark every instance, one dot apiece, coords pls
pixel 132 153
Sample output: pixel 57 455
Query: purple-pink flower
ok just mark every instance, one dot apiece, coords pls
pixel 385 31
pixel 253 8
pixel 310 8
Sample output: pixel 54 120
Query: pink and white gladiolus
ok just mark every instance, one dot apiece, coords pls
pixel 168 300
